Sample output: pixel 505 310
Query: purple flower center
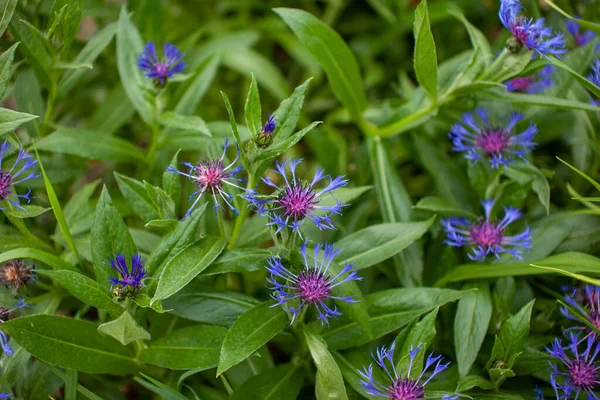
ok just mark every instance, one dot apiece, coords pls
pixel 519 31
pixel 5 184
pixel 583 375
pixel 486 234
pixel 313 287
pixel 493 141
pixel 210 174
pixel 405 389
pixel 297 201
pixel 161 69
pixel 521 84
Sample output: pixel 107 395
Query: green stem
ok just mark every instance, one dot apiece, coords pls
pixel 153 144
pixel 495 64
pixel 239 221
pixel 228 387
pixel 221 224
pixel 398 125
pixel 49 110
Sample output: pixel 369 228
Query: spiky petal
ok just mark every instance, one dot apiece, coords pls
pixel 312 286
pixel 160 69
pixel 22 170
pixel 131 274
pixel 531 84
pixel 594 77
pixel 5 316
pixel 579 38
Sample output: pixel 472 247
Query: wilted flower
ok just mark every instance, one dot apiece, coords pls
pixel 10 177
pixel 131 276
pixel 5 316
pixel 210 175
pixel 477 137
pixel 16 274
pixel 580 371
pixel 298 200
pixel 487 235
pixel 313 285
pixel 580 38
pixel 531 34
pixel 264 138
pixel 398 387
pixel 594 77
pixel 160 69
pixel 532 84
pixel 589 309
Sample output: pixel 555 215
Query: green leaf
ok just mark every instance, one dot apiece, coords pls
pixel 425 58
pixel 183 122
pixel 511 338
pixel 210 307
pixel 525 173
pixel 281 146
pixel 192 347
pixel 250 332
pixel 421 335
pixel 129 47
pixel 388 310
pixel 329 384
pixel 570 261
pixel 80 388
pixel 164 391
pixel 38 255
pixel 8 8
pixel 583 23
pixel 6 64
pixel 288 113
pixel 113 113
pixel 441 206
pixel 162 203
pixel 579 78
pixel 526 99
pixel 280 383
pixel 137 197
pixel 188 263
pixel 56 208
pixel 234 130
pixel 88 55
pixel 471 323
pixel 68 25
pixel 583 174
pixel 10 120
pixel 478 39
pixel 78 142
pixel 562 271
pixel 192 92
pixel 70 343
pixel 84 289
pixel 35 47
pixel 253 109
pixel 511 66
pixel 31 211
pixel 333 54
pixel 377 243
pixel 110 237
pixel 471 381
pixel 125 329
pixel 172 182
pixel 238 260
pixel 174 242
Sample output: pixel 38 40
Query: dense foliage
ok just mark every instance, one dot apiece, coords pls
pixel 336 199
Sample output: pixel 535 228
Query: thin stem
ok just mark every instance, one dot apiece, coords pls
pixel 494 65
pixel 228 387
pixel 153 144
pixel 239 221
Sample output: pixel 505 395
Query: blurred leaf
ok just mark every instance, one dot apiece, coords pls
pixel 192 347
pixel 124 329
pixel 583 174
pixel 511 66
pixel 10 120
pixel 6 67
pixel 471 323
pixel 70 343
pixel 186 264
pixel 68 24
pixel 334 55
pixel 155 386
pixel 425 58
pixel 28 95
pixel 472 381
pixel 538 100
pixel 38 255
pixel 8 8
pixel 582 80
pixel 78 142
pixel 329 381
pixel 584 24
pixel 525 173
pixel 35 47
pixel 564 271
pixel 280 383
pixel 249 332
pixel 252 109
pixel 184 122
pixel 437 205
pixel 190 95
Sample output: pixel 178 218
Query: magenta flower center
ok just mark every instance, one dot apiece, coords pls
pixel 297 201
pixel 405 389
pixel 522 84
pixel 313 286
pixel 5 184
pixel 519 31
pixel 486 234
pixel 210 174
pixel 161 69
pixel 493 141
pixel 583 375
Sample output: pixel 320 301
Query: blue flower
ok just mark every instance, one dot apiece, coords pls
pixel 478 138
pixel 133 276
pixel 297 200
pixel 487 235
pixel 581 39
pixel 594 77
pixel 210 175
pixel 312 286
pixel 4 316
pixel 6 395
pixel 532 84
pixel 270 125
pixel 15 175
pixel 398 387
pixel 587 302
pixel 579 371
pixel 532 34
pixel 160 69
